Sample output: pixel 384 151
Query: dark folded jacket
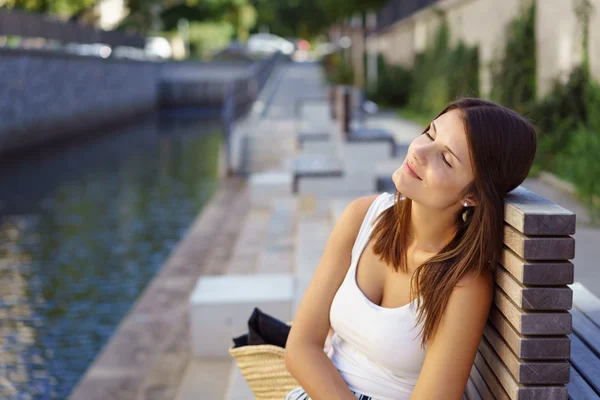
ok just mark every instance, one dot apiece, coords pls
pixel 263 329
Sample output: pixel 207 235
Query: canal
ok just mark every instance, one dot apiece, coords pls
pixel 84 227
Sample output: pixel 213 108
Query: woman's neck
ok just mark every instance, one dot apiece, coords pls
pixel 431 230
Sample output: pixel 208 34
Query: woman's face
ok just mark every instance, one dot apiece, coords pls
pixel 437 168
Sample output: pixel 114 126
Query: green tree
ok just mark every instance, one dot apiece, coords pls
pixel 57 7
pixel 147 15
pixel 306 18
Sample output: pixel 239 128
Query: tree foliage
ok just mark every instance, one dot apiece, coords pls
pixel 57 7
pixel 307 18
pixel 146 14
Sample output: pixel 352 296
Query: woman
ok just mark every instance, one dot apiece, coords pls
pixel 406 280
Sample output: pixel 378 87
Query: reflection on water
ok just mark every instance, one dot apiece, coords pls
pixel 83 229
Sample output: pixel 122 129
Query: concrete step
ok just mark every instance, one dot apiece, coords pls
pixel 329 146
pixel 355 184
pixel 363 157
pixel 312 236
pixel 277 255
pixel 266 186
pixel 251 239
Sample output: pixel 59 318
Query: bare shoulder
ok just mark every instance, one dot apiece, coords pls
pixel 355 212
pixel 348 225
pixel 311 323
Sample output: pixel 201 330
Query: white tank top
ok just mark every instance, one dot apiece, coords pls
pixel 377 350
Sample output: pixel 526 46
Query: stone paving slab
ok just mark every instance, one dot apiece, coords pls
pixel 247 248
pixel 278 251
pixel 148 354
pixel 205 379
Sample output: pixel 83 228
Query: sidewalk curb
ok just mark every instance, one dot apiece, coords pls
pixel 558 183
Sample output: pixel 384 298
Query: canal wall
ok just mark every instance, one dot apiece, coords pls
pixel 49 95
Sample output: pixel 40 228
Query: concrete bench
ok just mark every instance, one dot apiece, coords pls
pixel 220 306
pixel 315 117
pixel 343 104
pixel 308 167
pixel 358 136
pixel 357 154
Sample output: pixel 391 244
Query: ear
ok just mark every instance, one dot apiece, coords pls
pixel 471 200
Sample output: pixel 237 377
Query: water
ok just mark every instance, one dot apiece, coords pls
pixel 83 229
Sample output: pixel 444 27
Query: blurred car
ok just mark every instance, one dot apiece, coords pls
pixel 132 53
pixel 235 51
pixel 158 47
pixel 268 43
pixel 91 49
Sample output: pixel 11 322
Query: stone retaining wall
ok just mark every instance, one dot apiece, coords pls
pixel 47 95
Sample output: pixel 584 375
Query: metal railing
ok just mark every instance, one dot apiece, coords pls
pixel 27 25
pixel 395 10
pixel 240 94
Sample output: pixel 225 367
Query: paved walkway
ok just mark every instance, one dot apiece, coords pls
pixel 587 238
pixel 272 143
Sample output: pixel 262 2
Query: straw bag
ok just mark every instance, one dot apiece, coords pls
pixel 263 368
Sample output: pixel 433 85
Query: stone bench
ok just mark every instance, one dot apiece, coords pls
pixel 343 103
pixel 308 167
pixel 357 153
pixel 314 119
pixel 221 305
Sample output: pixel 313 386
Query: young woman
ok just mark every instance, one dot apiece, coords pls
pixel 406 281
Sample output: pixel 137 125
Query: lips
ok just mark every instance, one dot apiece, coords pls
pixel 411 170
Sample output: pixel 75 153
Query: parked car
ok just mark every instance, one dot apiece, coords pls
pixel 269 43
pixel 158 47
pixel 89 49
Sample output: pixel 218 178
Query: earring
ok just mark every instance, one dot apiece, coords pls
pixel 466 204
pixel 402 197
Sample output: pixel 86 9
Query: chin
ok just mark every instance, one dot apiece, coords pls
pixel 399 181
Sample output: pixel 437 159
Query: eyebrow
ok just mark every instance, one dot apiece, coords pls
pixel 446 147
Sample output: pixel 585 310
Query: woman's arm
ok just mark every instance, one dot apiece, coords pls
pixel 452 349
pixel 305 358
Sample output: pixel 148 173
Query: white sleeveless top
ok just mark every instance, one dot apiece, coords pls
pixel 377 350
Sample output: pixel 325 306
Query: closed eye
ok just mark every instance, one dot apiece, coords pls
pixel 443 157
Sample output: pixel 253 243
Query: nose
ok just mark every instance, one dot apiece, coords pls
pixel 419 154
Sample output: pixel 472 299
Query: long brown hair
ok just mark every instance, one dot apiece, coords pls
pixel 502 145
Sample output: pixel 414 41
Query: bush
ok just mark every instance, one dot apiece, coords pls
pixel 442 74
pixel 560 113
pixel 579 164
pixel 513 76
pixel 393 84
pixel 569 118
